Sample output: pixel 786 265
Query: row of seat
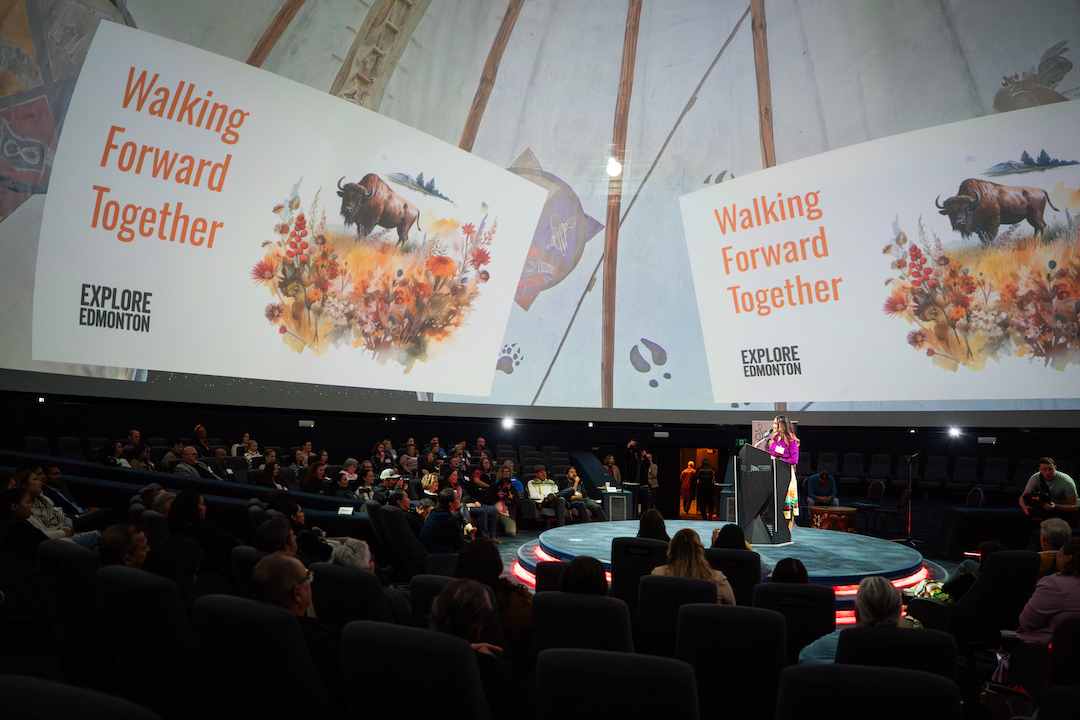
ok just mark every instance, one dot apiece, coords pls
pixel 853 471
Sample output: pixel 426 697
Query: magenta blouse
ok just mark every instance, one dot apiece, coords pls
pixel 784 450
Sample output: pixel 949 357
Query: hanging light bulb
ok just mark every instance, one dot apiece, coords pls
pixel 614 167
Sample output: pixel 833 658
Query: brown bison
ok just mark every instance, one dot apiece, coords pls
pixel 979 207
pixel 371 202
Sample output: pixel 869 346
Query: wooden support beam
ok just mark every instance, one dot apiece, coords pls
pixel 764 88
pixel 614 204
pixel 273 33
pixel 487 77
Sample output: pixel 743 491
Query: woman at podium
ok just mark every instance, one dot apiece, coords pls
pixel 783 445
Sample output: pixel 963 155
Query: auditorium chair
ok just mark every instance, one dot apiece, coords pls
pixel 404 567
pixel 369 648
pixel 614 685
pixel 549 574
pixel 742 568
pixel 907 469
pixel 936 473
pixel 414 557
pixel 526 449
pixel 826 462
pixel 158 453
pixel 1059 703
pixel 928 650
pixel 155 527
pixel 244 559
pixel 147 628
pixel 94 444
pixel 67 578
pixel 995 475
pixel 659 600
pixel 576 620
pixel 1024 470
pixel 877 692
pixel 809 612
pixel 852 474
pixel 422 591
pixel 897 514
pixel 880 467
pixel 631 559
pixel 155 441
pixel 803 469
pixel 993 603
pixel 737 654
pixel 31 698
pixel 69 448
pixel 239 467
pixel 257 662
pixel 135 513
pixel 347 594
pixel 963 476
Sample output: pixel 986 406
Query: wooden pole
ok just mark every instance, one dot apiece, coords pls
pixel 487 78
pixel 611 234
pixel 764 89
pixel 273 33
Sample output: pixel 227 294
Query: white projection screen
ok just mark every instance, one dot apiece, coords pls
pixel 413 211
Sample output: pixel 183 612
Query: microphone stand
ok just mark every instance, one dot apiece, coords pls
pixel 912 459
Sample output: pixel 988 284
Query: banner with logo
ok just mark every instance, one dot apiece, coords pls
pixel 208 217
pixel 939 264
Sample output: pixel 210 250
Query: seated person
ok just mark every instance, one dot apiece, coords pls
pixel 191 466
pixel 790 570
pixel 651 526
pixel 442 532
pixel 822 489
pixel 46 516
pixel 276 534
pixel 348 469
pixel 401 501
pixel 877 604
pixel 270 476
pixel 505 499
pixel 485 517
pixel 162 503
pixel 310 538
pixel 1056 597
pixel 176 448
pixel 138 457
pixel 545 493
pixel 389 481
pixel 187 517
pixel 1053 534
pixel 200 442
pixel 481 561
pixel 112 453
pixel 220 467
pixel 580 500
pixel 20 531
pixel 732 537
pixel 1057 490
pixel 123 545
pixel 282 580
pixel 463 608
pixel 253 456
pixel 686 558
pixel 584 575
pixel 356 554
pixel 82 518
pixel 313 480
pixel 365 488
pixel 177 558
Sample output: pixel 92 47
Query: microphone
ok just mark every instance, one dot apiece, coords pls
pixel 914 455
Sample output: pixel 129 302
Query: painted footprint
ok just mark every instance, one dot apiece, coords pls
pixel 659 357
pixel 511 358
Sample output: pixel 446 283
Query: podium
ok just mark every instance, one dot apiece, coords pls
pixel 761 484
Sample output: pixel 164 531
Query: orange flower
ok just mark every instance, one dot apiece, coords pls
pixel 265 270
pixel 896 304
pixel 314 295
pixel 441 266
pixel 956 313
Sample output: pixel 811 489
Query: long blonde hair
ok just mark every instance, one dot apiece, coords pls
pixel 686 556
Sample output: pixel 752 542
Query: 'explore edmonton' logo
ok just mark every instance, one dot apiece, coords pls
pixel 107 307
pixel 767 362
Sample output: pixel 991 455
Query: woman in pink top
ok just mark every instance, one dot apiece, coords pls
pixel 783 445
pixel 1056 598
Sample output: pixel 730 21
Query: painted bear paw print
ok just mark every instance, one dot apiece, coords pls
pixel 511 357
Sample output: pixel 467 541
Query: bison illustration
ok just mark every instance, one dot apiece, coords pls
pixel 371 202
pixel 979 207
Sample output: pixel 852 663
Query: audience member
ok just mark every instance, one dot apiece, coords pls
pixel 822 489
pixel 191 466
pixel 281 579
pixel 177 558
pixel 134 438
pixel 388 483
pixel 960 580
pixel 82 518
pixel 480 561
pixel 148 493
pixel 484 475
pixel 309 538
pixel 202 445
pixel 341 487
pixel 299 464
pixel 388 448
pixel 430 486
pixel 462 609
pixel 651 525
pixel 162 503
pixel 1056 597
pixel 401 501
pixel 506 500
pixel 365 490
pixel 433 447
pixel 485 517
pixel 276 535
pixel 123 544
pixel 790 570
pixel 253 456
pixel 240 446
pixel 409 461
pixel 686 558
pixel 545 493
pixel 584 575
pixel 507 470
pixel 356 554
pixel 430 464
pixel 176 448
pixel 322 456
pixel 270 476
pixel 580 499
pixel 21 532
pixel 269 455
pixel 187 517
pixel 112 453
pixel 313 481
pixel 48 518
pixel 482 449
pixel 348 469
pixel 424 507
pixel 442 532
pixel 732 537
pixel 877 604
pixel 220 467
pixel 138 457
pixel 1053 534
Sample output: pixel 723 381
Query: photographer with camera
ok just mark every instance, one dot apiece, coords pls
pixel 1049 493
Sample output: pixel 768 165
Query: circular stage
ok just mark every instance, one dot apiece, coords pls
pixel 837 559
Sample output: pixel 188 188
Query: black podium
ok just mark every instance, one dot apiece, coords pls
pixel 761 485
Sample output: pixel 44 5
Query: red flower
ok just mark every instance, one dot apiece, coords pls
pixel 468 229
pixel 265 270
pixel 479 257
pixel 896 304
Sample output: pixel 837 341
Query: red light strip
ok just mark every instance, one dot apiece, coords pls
pixel 544 556
pixel 900 584
pixel 523 575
